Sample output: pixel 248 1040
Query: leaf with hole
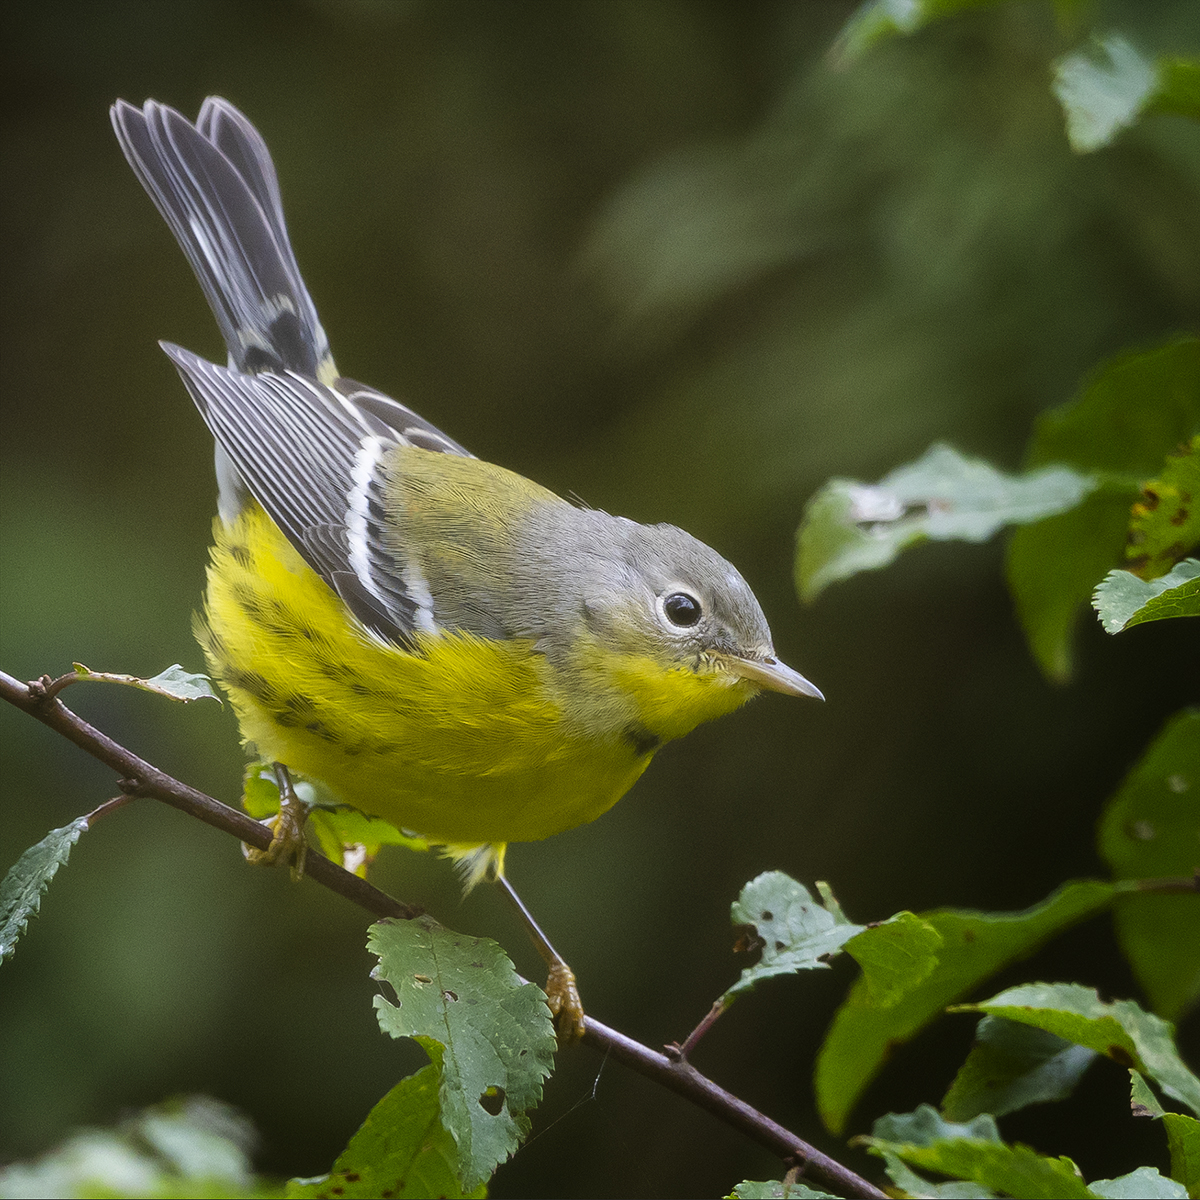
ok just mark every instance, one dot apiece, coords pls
pixel 488 1033
pixel 797 933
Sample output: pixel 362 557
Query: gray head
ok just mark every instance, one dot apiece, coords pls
pixel 656 589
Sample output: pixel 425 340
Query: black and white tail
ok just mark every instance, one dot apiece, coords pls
pixel 311 447
pixel 215 184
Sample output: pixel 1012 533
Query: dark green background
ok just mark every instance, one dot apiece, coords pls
pixel 660 254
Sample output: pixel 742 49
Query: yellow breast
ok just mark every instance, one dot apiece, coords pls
pixel 463 739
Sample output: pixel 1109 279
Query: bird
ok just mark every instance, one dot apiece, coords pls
pixel 432 638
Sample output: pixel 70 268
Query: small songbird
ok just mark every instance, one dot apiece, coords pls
pixel 438 641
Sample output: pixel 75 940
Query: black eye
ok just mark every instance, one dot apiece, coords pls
pixel 682 609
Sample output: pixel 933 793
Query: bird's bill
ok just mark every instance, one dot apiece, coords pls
pixel 773 675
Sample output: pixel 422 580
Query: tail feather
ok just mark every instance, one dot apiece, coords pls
pixel 215 185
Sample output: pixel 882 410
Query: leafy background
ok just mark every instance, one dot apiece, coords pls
pixel 663 255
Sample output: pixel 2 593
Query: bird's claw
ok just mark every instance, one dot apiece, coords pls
pixel 288 844
pixel 566 1008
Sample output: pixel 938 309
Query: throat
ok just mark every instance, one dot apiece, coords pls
pixel 644 703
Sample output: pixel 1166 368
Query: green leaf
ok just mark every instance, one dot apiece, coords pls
pixel 975 1152
pixel 1142 1101
pixel 776 1189
pixel 354 839
pixel 402 1149
pixel 1178 87
pixel 345 834
pixel 1183 1139
pixel 797 933
pixel 1143 1184
pixel 1150 829
pixel 1054 566
pixel 489 1033
pixel 1110 87
pixel 1122 1030
pixel 179 684
pixel 1133 410
pixel 850 526
pixel 1104 91
pixel 1183 1133
pixel 175 683
pixel 1165 523
pixel 975 945
pixel 260 792
pixel 29 877
pixel 1011 1066
pixel 896 955
pixel 909 1182
pixel 1123 600
pixel 1130 414
pixel 1016 1170
pixel 925 1126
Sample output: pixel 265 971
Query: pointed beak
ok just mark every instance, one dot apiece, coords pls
pixel 773 675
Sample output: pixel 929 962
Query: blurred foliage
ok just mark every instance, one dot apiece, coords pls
pixel 666 254
pixel 1077 512
pixel 850 526
pixel 193 1146
pixel 1108 90
pixel 1012 1065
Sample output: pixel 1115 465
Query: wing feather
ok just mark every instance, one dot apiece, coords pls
pixel 314 457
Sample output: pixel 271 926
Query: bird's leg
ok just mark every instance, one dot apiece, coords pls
pixel 287 829
pixel 562 994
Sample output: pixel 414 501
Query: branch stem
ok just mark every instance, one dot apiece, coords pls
pixel 676 1051
pixel 140 778
pixel 109 806
pixel 1183 884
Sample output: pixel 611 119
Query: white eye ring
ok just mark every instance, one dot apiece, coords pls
pixel 679 609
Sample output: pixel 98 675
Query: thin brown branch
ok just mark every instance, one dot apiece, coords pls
pixel 679 1053
pixel 109 806
pixel 46 688
pixel 140 778
pixel 1184 884
pixel 683 1079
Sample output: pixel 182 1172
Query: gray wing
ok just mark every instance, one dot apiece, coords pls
pixel 313 457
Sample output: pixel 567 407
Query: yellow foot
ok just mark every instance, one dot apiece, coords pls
pixel 565 1006
pixel 287 830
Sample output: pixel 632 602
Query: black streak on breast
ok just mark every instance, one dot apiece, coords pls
pixel 641 739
